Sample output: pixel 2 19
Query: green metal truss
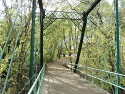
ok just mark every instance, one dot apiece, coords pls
pixel 52 16
pixel 80 20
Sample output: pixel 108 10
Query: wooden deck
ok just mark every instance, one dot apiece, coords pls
pixel 60 80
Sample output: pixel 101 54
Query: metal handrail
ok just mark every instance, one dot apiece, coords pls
pixel 92 74
pixel 37 85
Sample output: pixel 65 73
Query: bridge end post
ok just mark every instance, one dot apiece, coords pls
pixel 85 15
pixel 32 43
pixel 81 41
pixel 42 16
pixel 117 47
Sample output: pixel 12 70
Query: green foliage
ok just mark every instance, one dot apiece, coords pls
pixel 62 38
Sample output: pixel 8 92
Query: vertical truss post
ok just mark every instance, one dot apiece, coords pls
pixel 85 15
pixel 42 16
pixel 32 43
pixel 81 41
pixel 117 51
pixel 41 40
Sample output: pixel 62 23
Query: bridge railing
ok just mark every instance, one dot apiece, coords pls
pixel 37 85
pixel 105 76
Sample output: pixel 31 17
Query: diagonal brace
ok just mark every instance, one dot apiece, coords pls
pixel 85 15
pixel 81 40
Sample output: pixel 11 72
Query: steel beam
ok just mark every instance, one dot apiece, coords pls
pixel 42 16
pixel 51 16
pixel 85 15
pixel 32 43
pixel 117 48
pixel 81 41
pixel 94 4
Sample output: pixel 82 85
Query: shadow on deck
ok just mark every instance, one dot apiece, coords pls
pixel 60 80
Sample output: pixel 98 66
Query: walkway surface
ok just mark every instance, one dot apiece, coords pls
pixel 60 80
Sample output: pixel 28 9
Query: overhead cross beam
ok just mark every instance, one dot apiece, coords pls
pixel 51 16
pixel 63 15
pixel 76 18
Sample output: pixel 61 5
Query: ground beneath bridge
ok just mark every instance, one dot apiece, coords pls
pixel 60 80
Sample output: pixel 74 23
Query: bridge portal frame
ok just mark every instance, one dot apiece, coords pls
pixel 82 20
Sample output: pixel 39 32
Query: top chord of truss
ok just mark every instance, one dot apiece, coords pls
pixel 63 15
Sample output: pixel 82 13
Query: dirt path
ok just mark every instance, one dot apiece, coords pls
pixel 60 80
